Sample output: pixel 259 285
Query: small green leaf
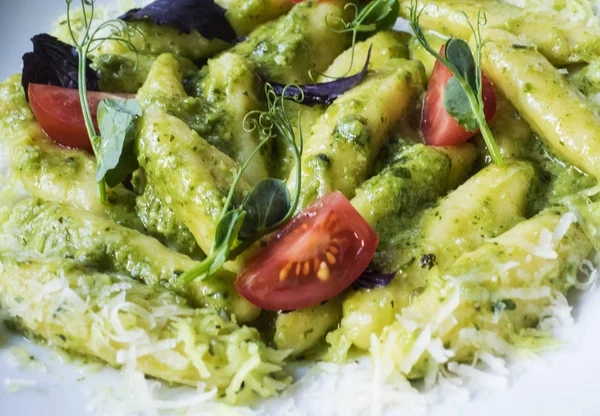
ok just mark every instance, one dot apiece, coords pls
pixel 457 105
pixel 226 235
pixel 116 157
pixel 226 228
pixel 267 200
pixel 266 206
pixel 468 112
pixel 384 15
pixel 459 54
pixel 376 16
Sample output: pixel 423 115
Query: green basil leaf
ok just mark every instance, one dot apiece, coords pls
pixel 266 205
pixel 385 14
pixel 459 54
pixel 226 228
pixel 457 105
pixel 380 15
pixel 226 235
pixel 116 157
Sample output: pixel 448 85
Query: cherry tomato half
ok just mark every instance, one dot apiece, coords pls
pixel 314 258
pixel 440 128
pixel 58 110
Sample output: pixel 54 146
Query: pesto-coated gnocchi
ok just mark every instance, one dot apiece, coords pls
pixel 209 193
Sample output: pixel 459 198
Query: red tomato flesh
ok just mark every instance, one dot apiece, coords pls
pixel 58 111
pixel 317 255
pixel 440 128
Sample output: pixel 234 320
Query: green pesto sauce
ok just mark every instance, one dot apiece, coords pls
pixel 273 45
pixel 55 230
pixel 399 241
pixel 127 72
pixel 556 178
pixel 278 51
pixel 206 119
pixel 352 129
pixel 160 221
pixel 150 38
pixel 213 119
pixel 286 49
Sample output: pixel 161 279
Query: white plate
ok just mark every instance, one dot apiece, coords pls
pixel 561 383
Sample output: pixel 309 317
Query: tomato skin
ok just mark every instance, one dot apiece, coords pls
pixel 440 128
pixel 276 278
pixel 58 111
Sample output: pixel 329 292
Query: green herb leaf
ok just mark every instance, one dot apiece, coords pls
pixel 383 15
pixel 226 235
pixel 226 227
pixel 457 105
pixel 266 206
pixel 375 16
pixel 90 38
pixel 459 54
pixel 269 204
pixel 463 98
pixel 115 157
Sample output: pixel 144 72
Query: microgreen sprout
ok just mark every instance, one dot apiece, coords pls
pixel 89 41
pixel 375 16
pixel 268 205
pixel 464 92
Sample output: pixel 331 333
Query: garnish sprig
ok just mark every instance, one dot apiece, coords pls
pixel 269 204
pixel 112 30
pixel 463 98
pixel 375 16
pixel 276 118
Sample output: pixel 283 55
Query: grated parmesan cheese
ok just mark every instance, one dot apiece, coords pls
pixel 367 388
pixel 563 226
pixel 417 350
pixel 523 293
pixel 437 351
pixel 484 379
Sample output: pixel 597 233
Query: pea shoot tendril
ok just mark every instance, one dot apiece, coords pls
pixel 89 41
pixel 239 227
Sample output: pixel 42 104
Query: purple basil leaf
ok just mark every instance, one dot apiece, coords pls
pixel 54 62
pixel 371 279
pixel 205 16
pixel 325 92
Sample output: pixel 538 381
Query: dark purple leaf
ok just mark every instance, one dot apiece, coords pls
pixel 205 16
pixel 53 62
pixel 371 279
pixel 325 92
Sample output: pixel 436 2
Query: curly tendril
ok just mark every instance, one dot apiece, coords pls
pixel 118 31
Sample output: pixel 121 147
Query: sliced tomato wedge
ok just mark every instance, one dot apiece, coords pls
pixel 317 255
pixel 440 128
pixel 58 110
